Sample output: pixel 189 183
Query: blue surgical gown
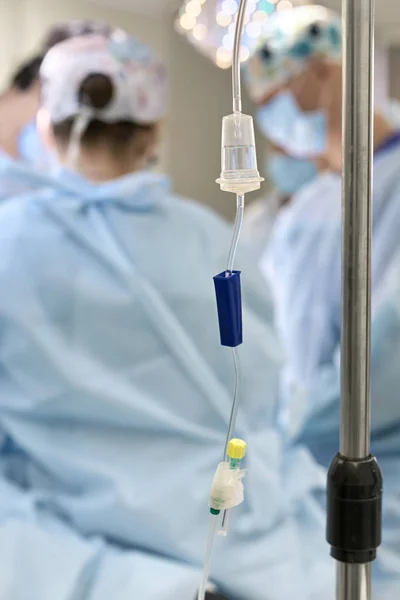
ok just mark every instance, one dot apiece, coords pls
pixel 303 264
pixel 16 179
pixel 259 219
pixel 115 400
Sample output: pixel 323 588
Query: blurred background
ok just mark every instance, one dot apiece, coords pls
pixel 200 92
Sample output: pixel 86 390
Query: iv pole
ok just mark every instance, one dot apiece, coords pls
pixel 354 480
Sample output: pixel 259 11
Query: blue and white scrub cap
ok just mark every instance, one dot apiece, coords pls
pixel 138 76
pixel 75 28
pixel 289 39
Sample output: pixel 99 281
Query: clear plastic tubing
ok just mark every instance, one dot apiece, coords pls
pixel 223 519
pixel 224 523
pixel 207 562
pixel 236 234
pixel 236 87
pixel 237 108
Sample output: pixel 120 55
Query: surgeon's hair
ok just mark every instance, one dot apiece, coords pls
pixel 96 92
pixel 27 74
pixel 76 28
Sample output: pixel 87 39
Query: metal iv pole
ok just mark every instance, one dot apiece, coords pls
pixel 354 481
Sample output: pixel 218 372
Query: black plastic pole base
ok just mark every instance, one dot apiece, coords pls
pixel 354 506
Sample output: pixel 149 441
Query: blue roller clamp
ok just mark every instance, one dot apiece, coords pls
pixel 229 305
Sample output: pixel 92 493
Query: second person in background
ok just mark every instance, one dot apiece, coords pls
pixel 296 77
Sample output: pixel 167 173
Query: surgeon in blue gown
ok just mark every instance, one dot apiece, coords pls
pixel 115 392
pixel 295 76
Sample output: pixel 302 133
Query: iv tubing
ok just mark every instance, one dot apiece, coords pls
pixel 236 89
pixel 223 530
pixel 224 518
pixel 237 108
pixel 207 562
pixel 236 363
pixel 236 233
pixel 235 405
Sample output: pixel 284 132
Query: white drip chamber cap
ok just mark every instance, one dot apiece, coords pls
pixel 239 173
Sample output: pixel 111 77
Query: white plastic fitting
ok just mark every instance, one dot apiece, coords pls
pixel 227 488
pixel 239 173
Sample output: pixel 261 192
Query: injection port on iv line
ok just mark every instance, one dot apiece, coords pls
pixel 227 488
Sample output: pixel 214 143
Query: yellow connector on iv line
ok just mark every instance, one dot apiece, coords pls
pixel 237 449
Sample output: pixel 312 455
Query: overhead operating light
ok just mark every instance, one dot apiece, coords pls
pixel 210 25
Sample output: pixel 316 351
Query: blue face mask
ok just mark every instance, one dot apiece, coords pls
pixel 300 134
pixel 31 150
pixel 289 174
